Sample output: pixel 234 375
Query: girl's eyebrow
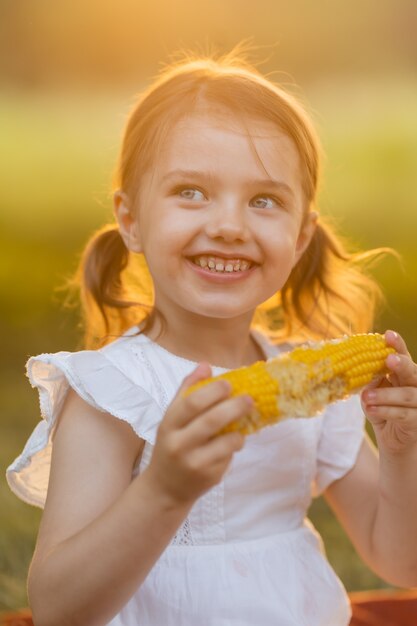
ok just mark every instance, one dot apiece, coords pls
pixel 278 185
pixel 267 182
pixel 186 174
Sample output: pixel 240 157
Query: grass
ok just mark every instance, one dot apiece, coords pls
pixel 60 153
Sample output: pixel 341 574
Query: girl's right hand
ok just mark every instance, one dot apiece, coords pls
pixel 189 456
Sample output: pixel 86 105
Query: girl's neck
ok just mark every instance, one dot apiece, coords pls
pixel 225 345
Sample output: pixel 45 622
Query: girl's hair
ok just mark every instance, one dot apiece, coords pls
pixel 328 292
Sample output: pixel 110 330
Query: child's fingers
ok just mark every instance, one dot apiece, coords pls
pixel 394 340
pixel 220 449
pixel 391 402
pixel 395 405
pixel 201 372
pixel 391 396
pixel 392 414
pixel 400 365
pixel 185 408
pixel 208 424
pixel 403 372
pixel 208 464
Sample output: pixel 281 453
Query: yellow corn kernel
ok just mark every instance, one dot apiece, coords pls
pixel 302 382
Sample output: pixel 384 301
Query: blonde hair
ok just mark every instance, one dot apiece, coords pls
pixel 328 292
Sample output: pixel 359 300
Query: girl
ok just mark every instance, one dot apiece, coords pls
pixel 149 518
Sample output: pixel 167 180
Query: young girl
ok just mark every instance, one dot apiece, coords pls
pixel 149 517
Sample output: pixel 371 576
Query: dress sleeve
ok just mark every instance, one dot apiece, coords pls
pixel 102 385
pixel 342 432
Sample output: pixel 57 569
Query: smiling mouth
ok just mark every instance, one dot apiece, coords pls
pixel 221 266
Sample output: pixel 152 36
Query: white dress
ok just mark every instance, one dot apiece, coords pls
pixel 246 555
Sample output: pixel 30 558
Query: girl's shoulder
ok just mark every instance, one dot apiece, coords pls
pixel 113 380
pixel 108 378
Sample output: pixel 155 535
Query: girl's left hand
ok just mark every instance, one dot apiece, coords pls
pixel 391 406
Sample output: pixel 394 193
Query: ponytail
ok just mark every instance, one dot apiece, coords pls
pixel 329 291
pixel 104 260
pixel 104 284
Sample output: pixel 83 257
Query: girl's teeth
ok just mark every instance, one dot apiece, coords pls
pixel 216 265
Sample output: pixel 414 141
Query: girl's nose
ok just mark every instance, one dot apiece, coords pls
pixel 228 222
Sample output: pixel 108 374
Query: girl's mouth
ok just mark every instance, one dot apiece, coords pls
pixel 221 266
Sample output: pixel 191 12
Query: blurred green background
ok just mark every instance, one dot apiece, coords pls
pixel 68 71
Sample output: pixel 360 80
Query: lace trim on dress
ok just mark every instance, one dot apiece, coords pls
pixel 183 536
pixel 141 355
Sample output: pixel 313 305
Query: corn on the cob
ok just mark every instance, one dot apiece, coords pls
pixel 300 383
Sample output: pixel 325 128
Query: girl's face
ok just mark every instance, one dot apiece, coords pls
pixel 220 217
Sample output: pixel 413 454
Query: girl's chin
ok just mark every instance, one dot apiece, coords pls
pixel 224 311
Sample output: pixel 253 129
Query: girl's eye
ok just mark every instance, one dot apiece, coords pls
pixel 264 202
pixel 190 193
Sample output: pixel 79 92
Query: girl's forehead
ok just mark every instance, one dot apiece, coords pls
pixel 224 121
pixel 199 136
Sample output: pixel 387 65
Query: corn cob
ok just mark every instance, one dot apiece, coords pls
pixel 302 382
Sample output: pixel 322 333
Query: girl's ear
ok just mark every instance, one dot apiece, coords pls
pixel 128 224
pixel 306 234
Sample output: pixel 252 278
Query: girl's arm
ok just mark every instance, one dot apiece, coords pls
pixel 101 532
pixel 376 502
